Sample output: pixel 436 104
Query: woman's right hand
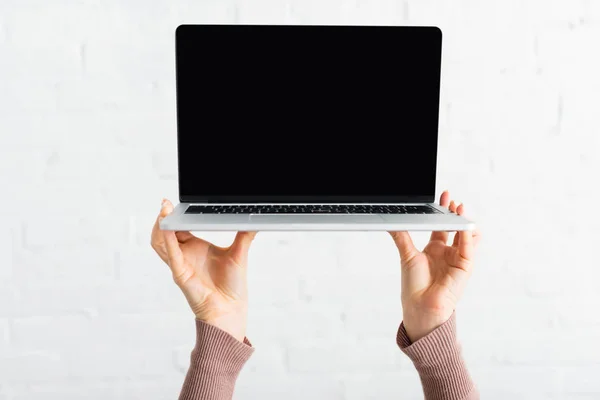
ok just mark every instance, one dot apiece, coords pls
pixel 434 279
pixel 212 278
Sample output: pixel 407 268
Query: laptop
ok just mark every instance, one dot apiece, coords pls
pixel 303 127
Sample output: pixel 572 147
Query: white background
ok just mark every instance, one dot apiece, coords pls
pixel 87 151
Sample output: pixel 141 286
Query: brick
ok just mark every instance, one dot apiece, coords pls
pixel 108 206
pixel 68 392
pixel 387 12
pixel 8 299
pixel 117 94
pixel 525 349
pixel 78 264
pixel 386 385
pixel 26 96
pixel 106 361
pixel 526 382
pixel 592 12
pixel 372 321
pixel 556 12
pixel 7 245
pixel 126 330
pixel 143 132
pixel 50 333
pixel 562 51
pixel 32 367
pixel 306 13
pixel 480 318
pixel 60 61
pixel 349 289
pixel 210 11
pixel 38 299
pixel 54 23
pixel 264 11
pixel 270 360
pixel 267 291
pixel 137 263
pixel 98 166
pixel 314 254
pixel 164 164
pixel 301 323
pixel 31 163
pixel 573 311
pixel 106 59
pixel 579 381
pixel 294 387
pixel 4 336
pixel 89 230
pixel 346 355
pixel 113 389
pixel 147 329
pixel 576 120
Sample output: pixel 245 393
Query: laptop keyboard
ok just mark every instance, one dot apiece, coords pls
pixel 312 209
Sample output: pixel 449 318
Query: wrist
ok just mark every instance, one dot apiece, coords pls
pixel 232 324
pixel 420 324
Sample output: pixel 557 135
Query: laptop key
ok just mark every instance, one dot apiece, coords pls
pixel 311 209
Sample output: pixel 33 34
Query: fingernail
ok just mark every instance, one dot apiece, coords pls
pixel 163 202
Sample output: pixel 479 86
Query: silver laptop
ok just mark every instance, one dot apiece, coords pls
pixel 308 128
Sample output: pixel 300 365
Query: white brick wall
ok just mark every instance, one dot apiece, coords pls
pixel 87 108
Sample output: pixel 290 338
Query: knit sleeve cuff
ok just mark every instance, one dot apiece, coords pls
pixel 438 360
pixel 441 342
pixel 218 350
pixel 216 362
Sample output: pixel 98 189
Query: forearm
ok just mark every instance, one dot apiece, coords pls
pixel 216 362
pixel 439 362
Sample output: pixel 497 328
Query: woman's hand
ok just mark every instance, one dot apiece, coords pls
pixel 212 278
pixel 433 280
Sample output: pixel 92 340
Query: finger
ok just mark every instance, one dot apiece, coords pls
pixel 445 198
pixel 464 244
pixel 460 210
pixel 157 239
pixel 166 243
pixel 167 208
pixel 453 206
pixel 441 235
pixel 476 238
pixel 476 234
pixel 405 245
pixel 241 245
pixel 465 239
pixel 169 242
pixel 184 236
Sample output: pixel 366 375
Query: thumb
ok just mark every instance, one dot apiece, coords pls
pixel 405 245
pixel 241 245
pixel 174 252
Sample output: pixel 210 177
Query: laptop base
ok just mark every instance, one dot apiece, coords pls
pixel 178 220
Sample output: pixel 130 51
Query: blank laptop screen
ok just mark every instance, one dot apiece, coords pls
pixel 307 113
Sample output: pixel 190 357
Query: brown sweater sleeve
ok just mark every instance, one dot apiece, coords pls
pixel 216 361
pixel 438 360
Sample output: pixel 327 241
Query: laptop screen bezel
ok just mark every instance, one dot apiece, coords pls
pixel 350 199
pixel 306 199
